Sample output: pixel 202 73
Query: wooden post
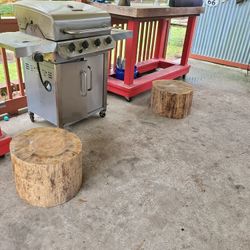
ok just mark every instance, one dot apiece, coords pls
pixel 188 40
pixel 6 73
pixel 47 166
pixel 171 98
pixel 131 52
pixel 162 38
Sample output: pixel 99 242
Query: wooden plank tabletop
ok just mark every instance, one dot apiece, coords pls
pixel 137 10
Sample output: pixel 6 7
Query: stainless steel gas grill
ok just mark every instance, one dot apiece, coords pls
pixel 65 47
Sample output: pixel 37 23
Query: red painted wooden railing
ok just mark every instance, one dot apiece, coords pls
pixel 146 47
pixel 12 92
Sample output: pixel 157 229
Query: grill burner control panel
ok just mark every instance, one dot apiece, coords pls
pixel 84 46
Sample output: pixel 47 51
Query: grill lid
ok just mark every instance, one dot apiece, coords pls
pixel 53 17
pixel 62 10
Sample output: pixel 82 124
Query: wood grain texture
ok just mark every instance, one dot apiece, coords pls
pixel 47 166
pixel 171 98
pixel 149 11
pixel 8 25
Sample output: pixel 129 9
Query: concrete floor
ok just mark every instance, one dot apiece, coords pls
pixel 150 183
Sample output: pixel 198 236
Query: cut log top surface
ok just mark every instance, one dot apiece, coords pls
pixel 44 146
pixel 173 86
pixel 149 10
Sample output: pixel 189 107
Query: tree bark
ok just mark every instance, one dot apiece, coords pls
pixel 47 166
pixel 171 98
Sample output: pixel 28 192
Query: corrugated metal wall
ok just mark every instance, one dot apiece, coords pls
pixel 223 32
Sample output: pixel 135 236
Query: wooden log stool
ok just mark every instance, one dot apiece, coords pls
pixel 171 98
pixel 47 166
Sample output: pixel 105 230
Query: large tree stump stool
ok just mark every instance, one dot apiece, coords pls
pixel 47 166
pixel 171 98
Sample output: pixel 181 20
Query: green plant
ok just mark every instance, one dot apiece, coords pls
pixel 176 38
pixel 12 71
pixel 6 10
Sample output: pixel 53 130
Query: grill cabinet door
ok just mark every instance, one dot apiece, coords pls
pixel 72 85
pixel 95 73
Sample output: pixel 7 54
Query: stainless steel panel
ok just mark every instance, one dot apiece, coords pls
pixel 95 72
pixel 72 91
pixel 119 34
pixel 105 79
pixel 40 101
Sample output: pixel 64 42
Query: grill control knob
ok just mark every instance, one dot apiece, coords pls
pixel 108 40
pixel 38 57
pixel 97 42
pixel 85 44
pixel 71 47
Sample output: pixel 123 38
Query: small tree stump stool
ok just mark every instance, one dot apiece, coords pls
pixel 47 166
pixel 171 98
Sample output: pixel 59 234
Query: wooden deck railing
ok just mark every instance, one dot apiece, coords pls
pixel 12 93
pixel 147 37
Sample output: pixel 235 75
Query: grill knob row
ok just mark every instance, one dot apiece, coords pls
pixel 85 44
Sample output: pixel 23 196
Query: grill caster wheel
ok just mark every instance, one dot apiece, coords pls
pixel 102 113
pixel 32 117
pixel 184 77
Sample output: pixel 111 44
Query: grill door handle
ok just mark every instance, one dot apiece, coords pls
pixel 83 83
pixel 90 78
pixel 89 31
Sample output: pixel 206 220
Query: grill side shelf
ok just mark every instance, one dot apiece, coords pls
pixel 120 34
pixel 24 45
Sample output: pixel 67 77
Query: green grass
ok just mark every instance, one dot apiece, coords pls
pixel 12 70
pixel 6 10
pixel 176 38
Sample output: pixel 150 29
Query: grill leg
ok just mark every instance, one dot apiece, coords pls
pixel 188 40
pixel 32 116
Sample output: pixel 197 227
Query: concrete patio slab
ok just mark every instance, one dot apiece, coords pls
pixel 149 182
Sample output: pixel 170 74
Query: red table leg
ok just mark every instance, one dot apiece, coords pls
pixel 4 143
pixel 162 38
pixel 131 52
pixel 188 40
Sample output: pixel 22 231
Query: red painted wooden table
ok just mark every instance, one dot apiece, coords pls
pixel 4 143
pixel 147 48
